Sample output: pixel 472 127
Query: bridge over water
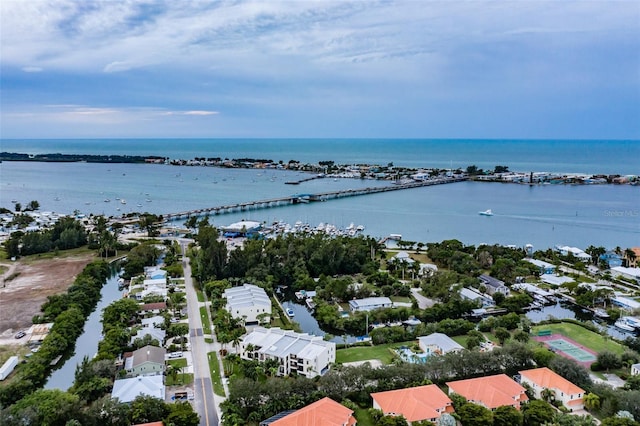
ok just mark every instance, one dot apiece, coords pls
pixel 306 198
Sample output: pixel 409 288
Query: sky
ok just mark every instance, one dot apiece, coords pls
pixel 325 69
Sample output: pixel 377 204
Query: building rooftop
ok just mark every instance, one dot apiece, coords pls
pixel 325 412
pixel 444 342
pixel 415 404
pixel 546 378
pixel 246 295
pixel 491 281
pixel 126 390
pixel 148 354
pixel 280 343
pixel 491 391
pixel 370 301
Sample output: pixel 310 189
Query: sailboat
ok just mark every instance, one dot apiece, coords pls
pixel 486 213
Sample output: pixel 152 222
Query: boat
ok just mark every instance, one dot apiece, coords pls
pixel 622 325
pixel 600 313
pixel 123 201
pixel 290 312
pixel 106 200
pixel 486 213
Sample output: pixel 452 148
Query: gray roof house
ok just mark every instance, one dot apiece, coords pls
pixel 438 343
pixel 148 360
pixel 370 303
pixel 494 285
pixel 156 333
pixel 126 390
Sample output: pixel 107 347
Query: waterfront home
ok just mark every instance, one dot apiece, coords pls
pixel 325 412
pixel 575 252
pixel 427 269
pixel 438 344
pixel 403 257
pixel 625 303
pixel 611 258
pixel 154 321
pixel 301 353
pixel 543 267
pixel 491 391
pixel 153 308
pixel 635 369
pixel 493 285
pixel 563 390
pixel 631 257
pixel 126 390
pixel 415 404
pixel 474 295
pixel 370 303
pixel 555 280
pixel 628 273
pixel 247 302
pixel 155 333
pixel 148 360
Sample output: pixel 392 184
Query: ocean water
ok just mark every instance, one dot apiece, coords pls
pixel 544 215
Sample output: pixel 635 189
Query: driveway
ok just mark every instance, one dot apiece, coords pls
pixel 423 302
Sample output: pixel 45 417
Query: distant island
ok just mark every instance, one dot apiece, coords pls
pixel 329 168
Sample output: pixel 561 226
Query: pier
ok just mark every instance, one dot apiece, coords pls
pixel 305 198
pixel 307 179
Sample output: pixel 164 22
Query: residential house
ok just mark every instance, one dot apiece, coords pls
pixel 555 280
pixel 539 379
pixel 438 344
pixel 154 321
pixel 247 302
pixel 155 333
pixel 474 295
pixel 493 285
pixel 629 273
pixel 153 308
pixel 491 391
pixel 370 303
pixel 126 390
pixel 575 252
pixel 543 267
pixel 415 404
pixel 635 369
pixel 611 258
pixel 301 353
pixel 402 256
pixel 626 303
pixel 148 360
pixel 325 412
pixel 631 260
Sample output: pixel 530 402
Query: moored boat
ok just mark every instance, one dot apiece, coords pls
pixel 487 212
pixel 600 313
pixel 290 312
pixel 623 325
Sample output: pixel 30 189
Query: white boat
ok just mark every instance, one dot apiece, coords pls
pixel 600 313
pixel 123 201
pixel 622 325
pixel 486 213
pixel 290 312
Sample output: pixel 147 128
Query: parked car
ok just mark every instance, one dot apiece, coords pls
pixel 20 335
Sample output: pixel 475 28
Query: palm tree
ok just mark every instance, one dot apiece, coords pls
pixel 591 401
pixel 630 257
pixel 548 395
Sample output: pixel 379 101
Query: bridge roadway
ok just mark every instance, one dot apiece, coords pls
pixel 306 198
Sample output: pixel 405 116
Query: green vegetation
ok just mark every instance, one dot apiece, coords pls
pixel 587 338
pixel 214 368
pixel 383 353
pixel 180 379
pixel 204 316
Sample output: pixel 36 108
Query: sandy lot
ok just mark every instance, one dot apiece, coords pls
pixel 25 286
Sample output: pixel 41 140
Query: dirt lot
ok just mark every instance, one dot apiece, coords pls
pixel 24 286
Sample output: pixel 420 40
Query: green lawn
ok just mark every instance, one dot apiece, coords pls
pixel 589 339
pixel 364 353
pixel 181 379
pixel 401 299
pixel 214 367
pixel 180 362
pixel 200 295
pixel 363 417
pixel 204 316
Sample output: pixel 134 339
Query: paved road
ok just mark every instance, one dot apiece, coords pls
pixel 203 388
pixel 423 302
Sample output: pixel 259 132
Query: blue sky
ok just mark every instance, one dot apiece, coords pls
pixel 411 69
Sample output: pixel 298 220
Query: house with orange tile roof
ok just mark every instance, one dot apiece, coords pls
pixel 415 404
pixel 490 391
pixel 632 259
pixel 566 392
pixel 325 412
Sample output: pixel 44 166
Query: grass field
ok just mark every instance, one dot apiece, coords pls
pixel 364 353
pixel 591 340
pixel 204 316
pixel 214 367
pixel 181 379
pixel 180 362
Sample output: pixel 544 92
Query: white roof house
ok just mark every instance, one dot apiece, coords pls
pixel 247 302
pixel 545 267
pixel 126 390
pixel 626 303
pixel 402 256
pixel 438 343
pixel 370 303
pixel 555 280
pixel 302 353
pixel 474 295
pixel 631 273
pixel 156 333
pixel 575 251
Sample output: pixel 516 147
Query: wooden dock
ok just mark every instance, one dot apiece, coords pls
pixel 305 198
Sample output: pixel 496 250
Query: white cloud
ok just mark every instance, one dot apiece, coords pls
pixel 200 113
pixel 117 66
pixel 32 69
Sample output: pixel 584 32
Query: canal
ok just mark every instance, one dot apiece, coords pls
pixel 87 343
pixel 561 310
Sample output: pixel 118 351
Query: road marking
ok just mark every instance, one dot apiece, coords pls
pixel 204 398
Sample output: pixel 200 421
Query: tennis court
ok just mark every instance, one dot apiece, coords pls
pixel 568 348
